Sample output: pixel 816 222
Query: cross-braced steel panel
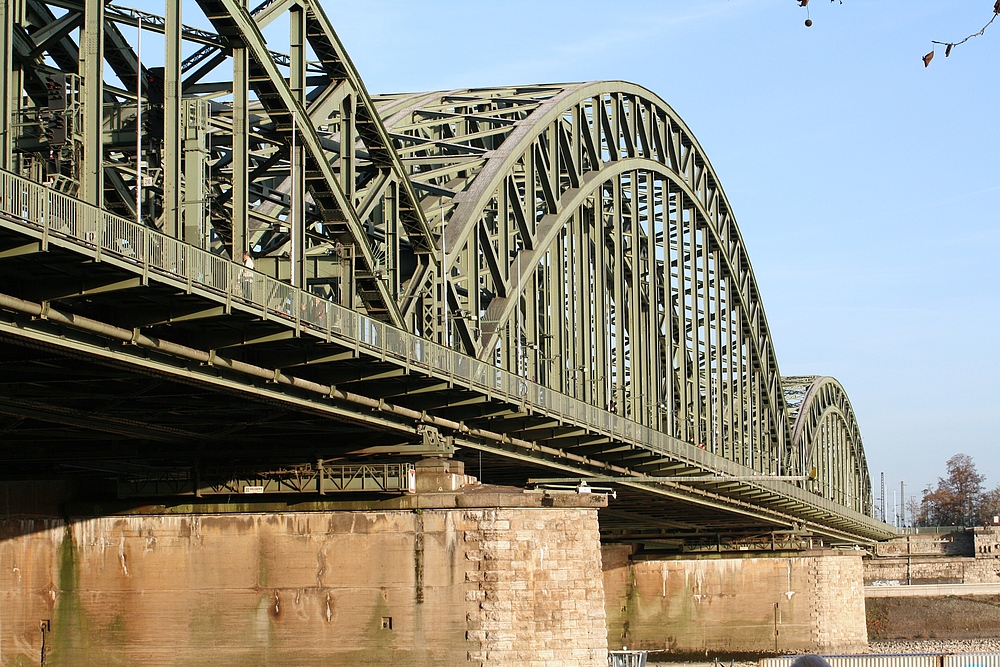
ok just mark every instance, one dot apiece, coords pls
pixel 234 148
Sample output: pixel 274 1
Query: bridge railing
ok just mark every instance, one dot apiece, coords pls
pixel 56 216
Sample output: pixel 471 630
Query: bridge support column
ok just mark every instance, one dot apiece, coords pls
pixel 91 68
pixel 7 101
pixel 485 576
pixel 808 602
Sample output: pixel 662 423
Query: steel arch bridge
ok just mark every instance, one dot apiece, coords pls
pixel 828 440
pixel 573 237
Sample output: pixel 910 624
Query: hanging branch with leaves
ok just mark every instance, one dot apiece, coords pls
pixel 948 46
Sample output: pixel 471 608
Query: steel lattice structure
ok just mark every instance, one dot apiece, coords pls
pixel 261 170
pixel 581 218
pixel 574 235
pixel 595 251
pixel 828 439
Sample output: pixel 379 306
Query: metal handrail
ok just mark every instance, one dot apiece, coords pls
pixel 56 216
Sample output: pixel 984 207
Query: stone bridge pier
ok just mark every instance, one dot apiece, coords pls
pixel 813 601
pixel 479 575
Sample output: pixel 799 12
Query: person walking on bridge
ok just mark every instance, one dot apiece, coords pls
pixel 246 275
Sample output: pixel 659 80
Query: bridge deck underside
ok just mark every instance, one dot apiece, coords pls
pixel 75 400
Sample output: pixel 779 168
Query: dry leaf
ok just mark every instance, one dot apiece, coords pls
pixel 996 7
pixel 927 58
pixel 947 49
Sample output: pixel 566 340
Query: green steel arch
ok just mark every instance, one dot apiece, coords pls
pixel 825 432
pixel 590 246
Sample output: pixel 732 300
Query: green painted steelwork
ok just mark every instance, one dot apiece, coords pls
pixel 550 274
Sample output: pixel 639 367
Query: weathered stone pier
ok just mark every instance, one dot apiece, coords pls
pixel 481 575
pixel 458 573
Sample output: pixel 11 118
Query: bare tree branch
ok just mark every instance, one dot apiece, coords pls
pixel 948 46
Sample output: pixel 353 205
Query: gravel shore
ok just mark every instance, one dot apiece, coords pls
pixel 894 646
pixel 936 646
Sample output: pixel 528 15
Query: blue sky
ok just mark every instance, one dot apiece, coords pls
pixel 866 186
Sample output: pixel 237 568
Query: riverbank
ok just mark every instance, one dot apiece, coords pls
pixel 879 647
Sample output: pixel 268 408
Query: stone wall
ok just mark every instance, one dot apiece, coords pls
pixel 538 601
pixel 836 592
pixel 923 570
pixel 813 602
pixel 466 579
pixel 987 542
pixel 960 557
pixel 957 543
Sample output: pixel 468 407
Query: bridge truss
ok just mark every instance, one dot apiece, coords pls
pixel 548 274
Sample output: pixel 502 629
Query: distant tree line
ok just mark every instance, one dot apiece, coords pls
pixel 958 499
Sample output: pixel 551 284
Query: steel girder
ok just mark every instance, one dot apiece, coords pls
pixel 826 434
pixel 591 248
pixel 242 148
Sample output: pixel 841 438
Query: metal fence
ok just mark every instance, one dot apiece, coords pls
pixel 56 217
pixel 897 660
pixel 627 658
pixel 972 660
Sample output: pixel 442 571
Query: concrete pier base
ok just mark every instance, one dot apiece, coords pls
pixel 482 576
pixel 810 602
